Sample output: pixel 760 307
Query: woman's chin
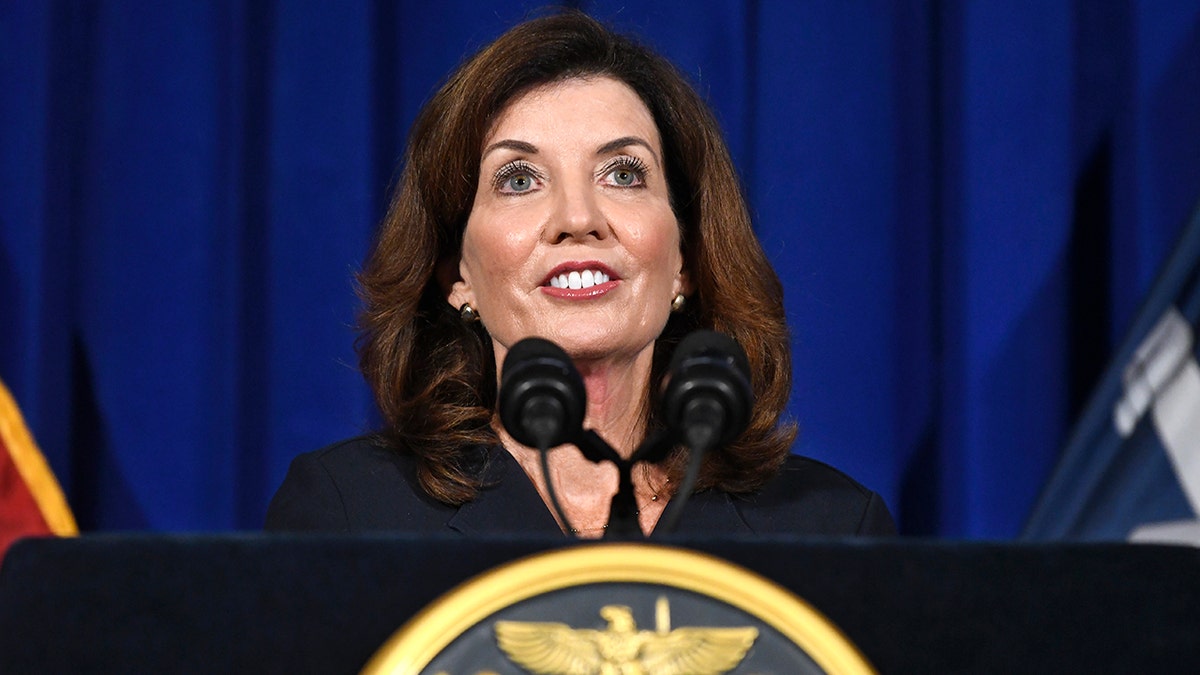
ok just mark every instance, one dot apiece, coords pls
pixel 584 347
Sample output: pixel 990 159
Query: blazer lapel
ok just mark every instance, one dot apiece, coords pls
pixel 712 513
pixel 509 503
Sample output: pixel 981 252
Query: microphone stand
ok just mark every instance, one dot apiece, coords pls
pixel 549 396
pixel 623 512
pixel 542 405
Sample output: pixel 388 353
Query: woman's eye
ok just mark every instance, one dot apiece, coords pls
pixel 519 182
pixel 515 179
pixel 624 177
pixel 626 172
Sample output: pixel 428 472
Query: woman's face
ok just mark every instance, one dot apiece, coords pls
pixel 571 236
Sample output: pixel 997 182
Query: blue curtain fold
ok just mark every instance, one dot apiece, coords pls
pixel 966 202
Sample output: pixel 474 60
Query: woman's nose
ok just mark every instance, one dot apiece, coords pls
pixel 578 215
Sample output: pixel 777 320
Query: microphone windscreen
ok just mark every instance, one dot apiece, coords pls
pixel 710 343
pixel 530 350
pixel 707 387
pixel 540 389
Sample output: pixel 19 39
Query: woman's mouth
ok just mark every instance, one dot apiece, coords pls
pixel 580 280
pixel 576 280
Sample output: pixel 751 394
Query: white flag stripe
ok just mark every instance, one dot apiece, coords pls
pixel 1155 363
pixel 1177 420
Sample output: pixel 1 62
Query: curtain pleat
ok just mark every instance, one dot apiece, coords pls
pixel 966 203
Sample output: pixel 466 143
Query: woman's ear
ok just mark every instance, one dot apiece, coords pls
pixel 683 283
pixel 455 289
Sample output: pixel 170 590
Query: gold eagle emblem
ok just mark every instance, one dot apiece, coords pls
pixel 547 648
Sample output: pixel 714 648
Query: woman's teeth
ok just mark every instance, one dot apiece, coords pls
pixel 577 280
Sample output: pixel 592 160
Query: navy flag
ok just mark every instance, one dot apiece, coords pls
pixel 1131 469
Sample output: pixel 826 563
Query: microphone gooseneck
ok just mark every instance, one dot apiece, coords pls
pixel 542 401
pixel 707 399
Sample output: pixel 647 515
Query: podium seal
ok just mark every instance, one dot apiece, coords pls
pixel 618 609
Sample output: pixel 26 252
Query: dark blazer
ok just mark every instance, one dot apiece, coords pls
pixel 360 486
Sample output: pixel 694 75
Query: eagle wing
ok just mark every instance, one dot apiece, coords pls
pixel 549 648
pixel 697 651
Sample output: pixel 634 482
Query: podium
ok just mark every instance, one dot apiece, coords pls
pixel 325 604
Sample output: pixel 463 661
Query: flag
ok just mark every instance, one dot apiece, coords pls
pixel 31 501
pixel 1131 467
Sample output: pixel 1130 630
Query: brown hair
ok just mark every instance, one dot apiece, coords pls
pixel 434 376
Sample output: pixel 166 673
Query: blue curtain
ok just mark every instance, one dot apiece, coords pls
pixel 966 203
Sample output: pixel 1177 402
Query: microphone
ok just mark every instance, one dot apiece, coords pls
pixel 542 397
pixel 707 395
pixel 706 401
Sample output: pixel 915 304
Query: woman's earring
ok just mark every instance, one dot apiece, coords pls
pixel 468 313
pixel 678 302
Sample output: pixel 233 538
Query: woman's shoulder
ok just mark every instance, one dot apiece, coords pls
pixel 808 496
pixel 361 483
pixel 810 473
pixel 360 462
pixel 361 453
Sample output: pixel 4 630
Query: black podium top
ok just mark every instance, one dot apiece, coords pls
pixel 315 603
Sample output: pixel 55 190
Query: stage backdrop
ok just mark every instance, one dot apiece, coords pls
pixel 966 203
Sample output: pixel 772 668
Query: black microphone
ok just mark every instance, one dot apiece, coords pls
pixel 706 401
pixel 707 395
pixel 542 397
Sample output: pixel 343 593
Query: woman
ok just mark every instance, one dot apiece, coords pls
pixel 569 184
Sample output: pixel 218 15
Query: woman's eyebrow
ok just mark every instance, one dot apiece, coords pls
pixel 511 144
pixel 624 142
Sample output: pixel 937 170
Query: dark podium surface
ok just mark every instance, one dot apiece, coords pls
pixel 325 604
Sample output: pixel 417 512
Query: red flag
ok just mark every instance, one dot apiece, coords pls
pixel 31 501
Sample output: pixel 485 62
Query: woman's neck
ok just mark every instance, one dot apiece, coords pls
pixel 617 401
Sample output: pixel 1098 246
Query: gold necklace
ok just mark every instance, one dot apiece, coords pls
pixel 653 490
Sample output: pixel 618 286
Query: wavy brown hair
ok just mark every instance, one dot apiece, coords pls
pixel 434 376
